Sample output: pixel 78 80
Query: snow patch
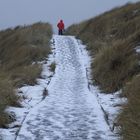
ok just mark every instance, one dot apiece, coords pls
pixel 137 49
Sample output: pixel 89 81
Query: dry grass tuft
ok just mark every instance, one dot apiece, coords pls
pixel 129 119
pixel 114 65
pixel 26 75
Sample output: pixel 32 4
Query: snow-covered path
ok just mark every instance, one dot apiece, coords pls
pixel 71 111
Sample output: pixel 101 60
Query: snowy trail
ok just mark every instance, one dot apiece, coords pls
pixel 71 111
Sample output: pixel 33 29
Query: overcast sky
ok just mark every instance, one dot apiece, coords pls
pixel 20 12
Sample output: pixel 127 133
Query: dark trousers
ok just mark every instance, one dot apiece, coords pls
pixel 60 32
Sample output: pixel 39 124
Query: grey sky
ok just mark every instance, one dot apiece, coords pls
pixel 20 12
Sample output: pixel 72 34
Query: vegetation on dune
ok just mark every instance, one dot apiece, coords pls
pixel 111 39
pixel 114 65
pixel 20 49
pixel 129 119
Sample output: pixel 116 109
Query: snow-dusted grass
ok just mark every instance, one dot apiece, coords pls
pixel 129 119
pixel 7 97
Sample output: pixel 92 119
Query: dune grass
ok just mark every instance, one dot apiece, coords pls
pixel 129 119
pixel 8 97
pixel 20 49
pixel 114 66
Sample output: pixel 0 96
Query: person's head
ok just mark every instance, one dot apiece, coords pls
pixel 61 20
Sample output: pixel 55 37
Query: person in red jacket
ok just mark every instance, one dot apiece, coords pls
pixel 61 27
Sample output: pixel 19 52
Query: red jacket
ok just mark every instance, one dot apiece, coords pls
pixel 61 25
